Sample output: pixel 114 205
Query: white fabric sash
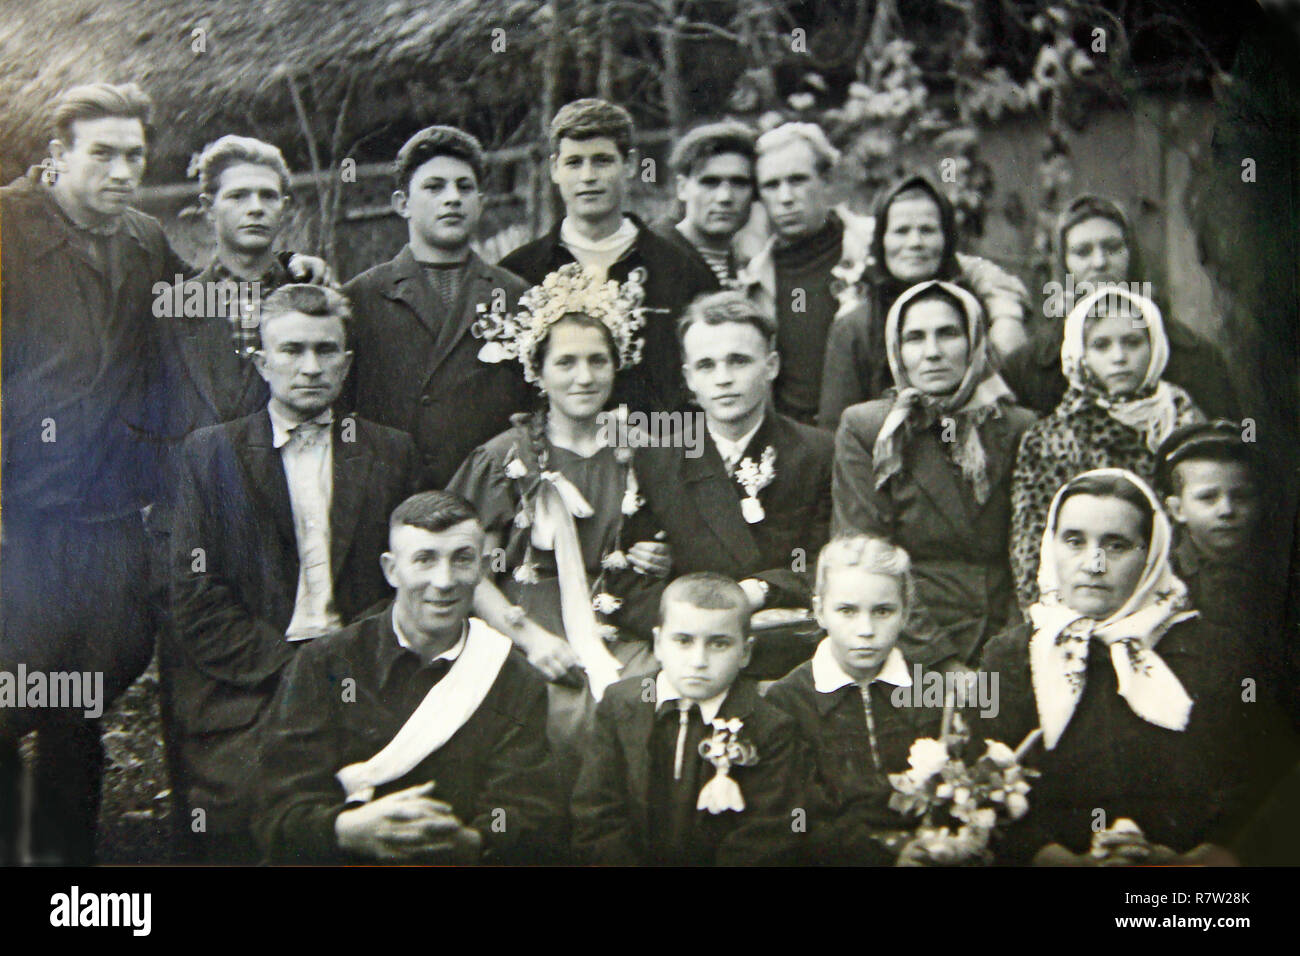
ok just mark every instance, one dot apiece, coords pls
pixel 1058 661
pixel 558 501
pixel 445 709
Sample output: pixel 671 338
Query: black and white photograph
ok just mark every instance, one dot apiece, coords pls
pixel 650 433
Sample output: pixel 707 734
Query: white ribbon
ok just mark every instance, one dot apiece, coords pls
pixel 558 503
pixel 445 709
pixel 721 793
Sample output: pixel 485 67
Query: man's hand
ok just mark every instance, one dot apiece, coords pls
pixel 550 654
pixel 407 825
pixel 651 557
pixel 312 270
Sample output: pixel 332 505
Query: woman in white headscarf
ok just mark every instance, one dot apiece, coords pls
pixel 1135 703
pixel 1115 413
pixel 928 467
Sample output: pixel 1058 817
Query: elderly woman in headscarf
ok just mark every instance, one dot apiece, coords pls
pixel 1127 701
pixel 929 468
pixel 1116 412
pixel 913 239
pixel 1094 244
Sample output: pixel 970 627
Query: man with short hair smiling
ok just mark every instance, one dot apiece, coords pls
pixel 591 159
pixel 417 365
pixel 279 530
pixel 759 495
pixel 713 166
pixel 419 733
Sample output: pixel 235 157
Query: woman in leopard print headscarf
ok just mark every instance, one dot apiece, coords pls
pixel 1114 414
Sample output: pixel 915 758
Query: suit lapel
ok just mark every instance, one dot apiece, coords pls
pixel 740 700
pixel 936 476
pixel 352 463
pixel 208 353
pixel 634 733
pixel 265 472
pixel 409 285
pixel 706 481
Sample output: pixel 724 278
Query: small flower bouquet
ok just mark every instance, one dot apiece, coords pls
pixel 725 749
pixel 971 801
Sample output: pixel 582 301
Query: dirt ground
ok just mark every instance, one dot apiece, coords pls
pixel 135 817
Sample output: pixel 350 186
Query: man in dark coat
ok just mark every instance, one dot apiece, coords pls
pixel 417 365
pixel 80 397
pixel 419 733
pixel 713 167
pixel 208 325
pixel 591 158
pixel 745 492
pixel 280 525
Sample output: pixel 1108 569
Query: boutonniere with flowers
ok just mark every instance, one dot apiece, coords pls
pixel 725 749
pixel 972 800
pixel 754 477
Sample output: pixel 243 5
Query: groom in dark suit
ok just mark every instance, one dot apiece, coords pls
pixel 280 521
pixel 752 500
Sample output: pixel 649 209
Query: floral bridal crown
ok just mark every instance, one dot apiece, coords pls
pixel 568 290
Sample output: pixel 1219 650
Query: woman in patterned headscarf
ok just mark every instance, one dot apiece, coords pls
pixel 928 467
pixel 913 239
pixel 1094 243
pixel 1116 412
pixel 1129 702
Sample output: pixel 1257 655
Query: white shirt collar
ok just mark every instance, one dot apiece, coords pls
pixel 450 654
pixel 665 691
pixel 733 451
pixel 829 677
pixel 618 240
pixel 281 427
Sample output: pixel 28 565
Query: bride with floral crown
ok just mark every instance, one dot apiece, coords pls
pixel 553 492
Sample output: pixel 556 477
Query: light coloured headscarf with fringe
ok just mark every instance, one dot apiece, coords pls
pixel 1058 649
pixel 976 399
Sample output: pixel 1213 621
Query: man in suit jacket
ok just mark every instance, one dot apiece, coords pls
pixel 439 752
pixel 207 333
pixel 280 523
pixel 417 365
pixel 751 498
pixel 591 160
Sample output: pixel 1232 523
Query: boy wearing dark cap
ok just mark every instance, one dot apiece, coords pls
pixel 1206 473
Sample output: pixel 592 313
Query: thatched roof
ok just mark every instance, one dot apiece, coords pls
pixel 407 48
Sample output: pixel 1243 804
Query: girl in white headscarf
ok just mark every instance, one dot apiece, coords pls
pixel 1134 701
pixel 1115 413
pixel 928 467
